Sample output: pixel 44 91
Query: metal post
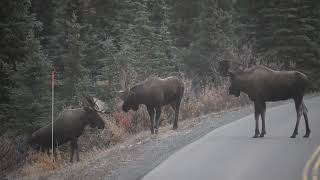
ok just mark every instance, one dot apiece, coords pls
pixel 52 111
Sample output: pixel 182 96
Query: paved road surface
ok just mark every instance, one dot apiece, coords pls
pixel 229 152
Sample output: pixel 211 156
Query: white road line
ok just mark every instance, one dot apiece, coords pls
pixel 315 170
pixel 309 163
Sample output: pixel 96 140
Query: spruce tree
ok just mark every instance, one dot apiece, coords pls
pixel 25 72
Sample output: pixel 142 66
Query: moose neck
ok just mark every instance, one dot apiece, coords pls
pixel 86 119
pixel 243 82
pixel 139 95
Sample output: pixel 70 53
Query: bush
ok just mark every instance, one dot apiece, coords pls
pixel 12 153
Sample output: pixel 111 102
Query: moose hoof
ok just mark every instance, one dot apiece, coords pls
pixel 156 131
pixel 293 136
pixel 306 135
pixel 175 127
pixel 255 136
pixel 261 135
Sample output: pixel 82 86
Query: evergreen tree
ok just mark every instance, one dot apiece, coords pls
pixel 215 41
pixel 283 33
pixel 147 44
pixel 74 76
pixel 24 69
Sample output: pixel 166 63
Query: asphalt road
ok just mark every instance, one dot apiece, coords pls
pixel 230 152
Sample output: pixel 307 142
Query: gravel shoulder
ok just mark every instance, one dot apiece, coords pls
pixel 141 153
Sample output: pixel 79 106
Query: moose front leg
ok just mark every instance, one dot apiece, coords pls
pixel 71 151
pixel 158 113
pixel 256 117
pixel 299 110
pixel 77 149
pixel 151 114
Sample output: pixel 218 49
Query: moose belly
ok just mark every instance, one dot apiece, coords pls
pixel 62 139
pixel 277 94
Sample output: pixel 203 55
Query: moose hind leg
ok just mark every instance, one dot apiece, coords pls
pixel 158 113
pixel 71 150
pixel 55 152
pixel 176 108
pixel 151 114
pixel 256 117
pixel 299 109
pixel 305 115
pixel 256 131
pixel 77 149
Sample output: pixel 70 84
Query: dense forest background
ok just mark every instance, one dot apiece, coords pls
pixel 98 47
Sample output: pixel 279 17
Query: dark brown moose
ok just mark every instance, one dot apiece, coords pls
pixel 262 84
pixel 155 92
pixel 68 126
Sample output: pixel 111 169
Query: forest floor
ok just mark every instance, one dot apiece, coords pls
pixel 140 153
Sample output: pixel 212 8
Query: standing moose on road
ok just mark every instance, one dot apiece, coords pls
pixel 68 127
pixel 262 84
pixel 155 92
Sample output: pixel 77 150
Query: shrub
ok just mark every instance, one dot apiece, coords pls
pixel 12 153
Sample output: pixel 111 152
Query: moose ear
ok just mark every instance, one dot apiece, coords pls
pixel 123 94
pixel 223 67
pixel 231 74
pixel 91 102
pixel 87 109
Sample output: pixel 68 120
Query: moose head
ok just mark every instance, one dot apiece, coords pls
pixel 94 118
pixel 129 100
pixel 227 69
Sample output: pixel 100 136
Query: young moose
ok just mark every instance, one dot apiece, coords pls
pixel 155 92
pixel 68 127
pixel 262 84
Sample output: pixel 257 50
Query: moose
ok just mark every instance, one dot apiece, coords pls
pixel 263 84
pixel 155 92
pixel 68 126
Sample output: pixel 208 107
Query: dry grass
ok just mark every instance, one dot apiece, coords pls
pixel 12 153
pixel 99 139
pixel 39 162
pixel 211 99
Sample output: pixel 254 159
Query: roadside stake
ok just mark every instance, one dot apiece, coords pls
pixel 52 109
pixel 309 162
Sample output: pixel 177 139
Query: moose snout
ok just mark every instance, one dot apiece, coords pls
pixel 234 92
pixel 101 126
pixel 125 109
pixel 107 111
